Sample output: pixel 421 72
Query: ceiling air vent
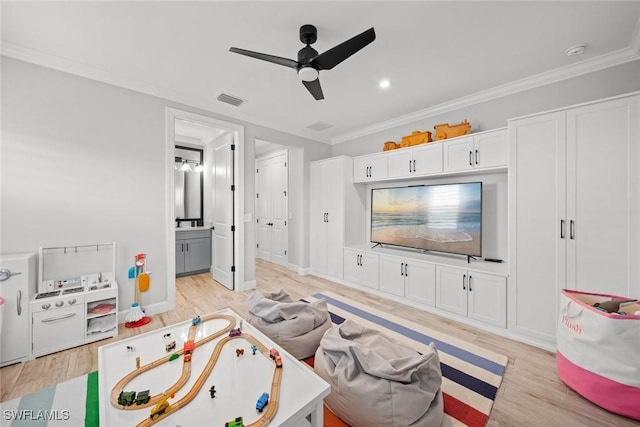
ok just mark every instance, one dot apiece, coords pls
pixel 230 99
pixel 319 126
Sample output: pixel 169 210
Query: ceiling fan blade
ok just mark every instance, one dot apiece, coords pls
pixel 314 88
pixel 332 57
pixel 265 57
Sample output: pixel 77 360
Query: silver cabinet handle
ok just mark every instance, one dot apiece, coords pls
pixel 19 306
pixel 53 319
pixel 5 274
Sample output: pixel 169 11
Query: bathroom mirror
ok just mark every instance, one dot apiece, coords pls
pixel 188 184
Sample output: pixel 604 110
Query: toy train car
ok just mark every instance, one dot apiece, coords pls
pixel 196 320
pixel 238 422
pixel 273 353
pixel 278 361
pixel 188 349
pixel 161 407
pixel 263 400
pixel 235 332
pixel 143 397
pixel 126 398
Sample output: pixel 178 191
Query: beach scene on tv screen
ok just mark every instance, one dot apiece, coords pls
pixel 444 218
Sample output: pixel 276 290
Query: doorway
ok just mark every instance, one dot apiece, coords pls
pixel 272 206
pixel 223 192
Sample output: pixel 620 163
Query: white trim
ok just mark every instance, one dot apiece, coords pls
pixel 238 171
pixel 611 59
pixel 11 50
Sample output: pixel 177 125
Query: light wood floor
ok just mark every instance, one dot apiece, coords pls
pixel 531 393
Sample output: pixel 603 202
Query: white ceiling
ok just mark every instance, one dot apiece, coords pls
pixel 436 54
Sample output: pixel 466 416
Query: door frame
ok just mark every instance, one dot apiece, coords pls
pixel 238 171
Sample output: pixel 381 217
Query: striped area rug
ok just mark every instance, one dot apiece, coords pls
pixel 470 375
pixel 72 403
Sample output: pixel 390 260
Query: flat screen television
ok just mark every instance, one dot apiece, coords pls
pixel 443 217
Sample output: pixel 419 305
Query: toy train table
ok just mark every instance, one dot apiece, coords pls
pixel 220 371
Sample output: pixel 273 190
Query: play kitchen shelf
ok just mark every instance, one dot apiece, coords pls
pixel 77 299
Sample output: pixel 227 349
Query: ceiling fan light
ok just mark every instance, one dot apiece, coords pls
pixel 308 74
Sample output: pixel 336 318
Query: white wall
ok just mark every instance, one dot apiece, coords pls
pixel 85 162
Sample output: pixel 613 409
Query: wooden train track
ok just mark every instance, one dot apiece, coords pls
pixel 274 397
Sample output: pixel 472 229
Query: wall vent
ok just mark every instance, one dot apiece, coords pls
pixel 319 126
pixel 230 99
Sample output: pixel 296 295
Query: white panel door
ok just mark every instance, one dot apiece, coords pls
pixel 333 178
pixel 427 159
pixel 223 213
pixel 537 223
pixel 279 195
pixel 400 163
pixel 491 149
pixel 263 211
pixel 458 154
pixel 602 186
pixel 318 221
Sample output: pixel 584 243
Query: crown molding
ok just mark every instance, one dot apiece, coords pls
pixel 584 67
pixel 11 50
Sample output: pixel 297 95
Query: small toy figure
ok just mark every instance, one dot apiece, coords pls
pixel 165 336
pixel 273 353
pixel 212 391
pixel 170 346
pixel 130 348
pixel 254 349
pixel 235 332
pixel 174 356
pixel 239 352
pixel 238 422
pixel 196 320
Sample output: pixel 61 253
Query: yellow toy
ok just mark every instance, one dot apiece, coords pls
pixel 416 138
pixel 444 131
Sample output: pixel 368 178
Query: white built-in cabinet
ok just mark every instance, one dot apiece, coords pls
pixel 574 203
pixel 484 150
pixel 421 160
pixel 361 267
pixel 474 294
pixel 333 197
pixel 408 278
pixel 372 167
pixel 479 151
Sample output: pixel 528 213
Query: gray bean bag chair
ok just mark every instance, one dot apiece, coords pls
pixel 377 381
pixel 295 325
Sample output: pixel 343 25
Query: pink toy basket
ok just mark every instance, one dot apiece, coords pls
pixel 598 353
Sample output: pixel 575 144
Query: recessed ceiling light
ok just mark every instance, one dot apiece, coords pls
pixel 384 83
pixel 576 50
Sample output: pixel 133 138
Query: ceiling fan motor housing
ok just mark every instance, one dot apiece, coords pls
pixel 308 34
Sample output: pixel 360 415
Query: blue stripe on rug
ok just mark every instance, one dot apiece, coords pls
pixel 469 381
pixel 334 317
pixel 30 406
pixel 455 351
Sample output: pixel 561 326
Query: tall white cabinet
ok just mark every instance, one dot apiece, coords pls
pixel 574 208
pixel 333 196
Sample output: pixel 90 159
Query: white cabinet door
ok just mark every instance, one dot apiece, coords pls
pixel 58 329
pixel 491 149
pixel 369 270
pixel 420 282
pixel 427 159
pixel 334 180
pixel 361 268
pixel 603 197
pixel 487 298
pixel 392 271
pixel 458 154
pixel 317 224
pixel 537 225
pixel 352 266
pixel 400 163
pixel 451 289
pixel 16 322
pixel 372 167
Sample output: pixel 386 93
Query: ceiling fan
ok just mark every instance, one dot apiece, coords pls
pixel 309 62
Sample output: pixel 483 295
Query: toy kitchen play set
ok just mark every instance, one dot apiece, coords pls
pixel 74 300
